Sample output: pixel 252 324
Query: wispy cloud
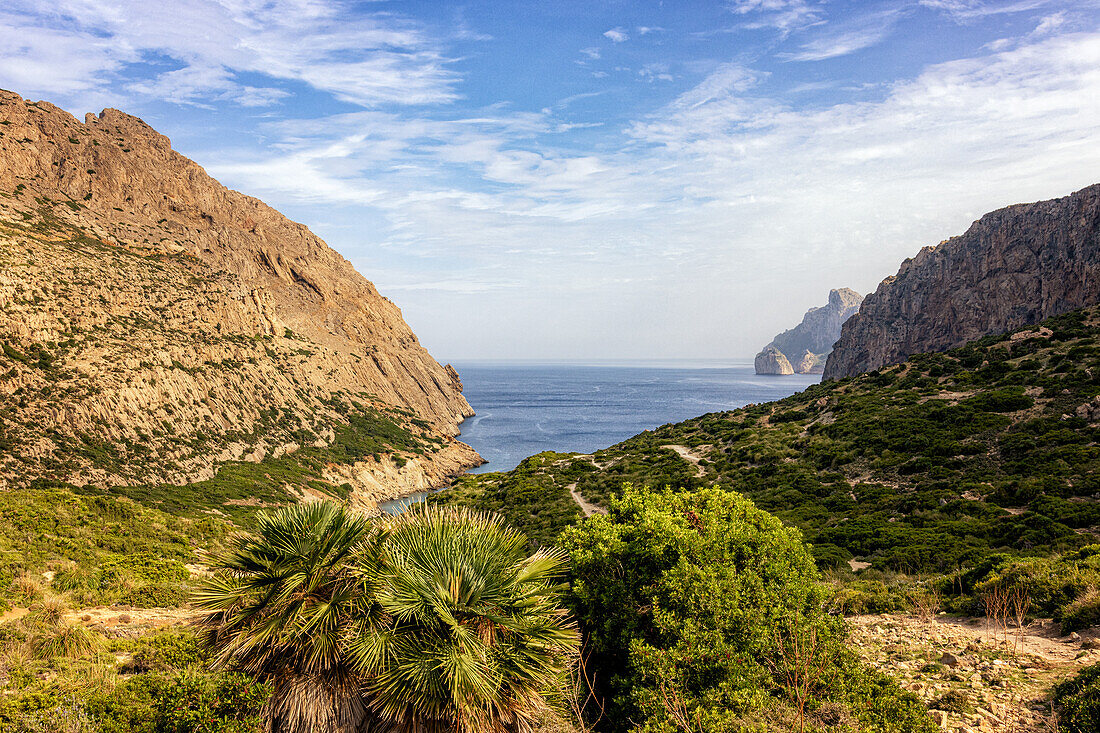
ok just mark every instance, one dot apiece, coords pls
pixel 657 71
pixel 737 191
pixel 849 36
pixel 967 11
pixel 786 16
pixel 80 45
pixel 722 185
pixel 617 35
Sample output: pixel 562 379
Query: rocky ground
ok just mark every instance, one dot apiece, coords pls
pixel 973 675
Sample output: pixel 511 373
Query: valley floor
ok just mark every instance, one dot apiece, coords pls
pixel 972 675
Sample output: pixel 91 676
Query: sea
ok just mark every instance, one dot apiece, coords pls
pixel 526 408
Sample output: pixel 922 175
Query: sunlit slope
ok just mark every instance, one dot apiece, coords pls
pixel 924 465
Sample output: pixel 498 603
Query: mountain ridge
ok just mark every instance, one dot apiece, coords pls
pixel 148 311
pixel 1013 267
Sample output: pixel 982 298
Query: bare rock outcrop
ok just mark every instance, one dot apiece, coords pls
pixel 155 323
pixel 806 345
pixel 809 363
pixel 772 361
pixel 1013 267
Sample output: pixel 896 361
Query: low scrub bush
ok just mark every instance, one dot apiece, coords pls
pixel 1078 702
pixel 719 621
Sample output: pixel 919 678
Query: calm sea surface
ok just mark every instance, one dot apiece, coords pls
pixel 524 409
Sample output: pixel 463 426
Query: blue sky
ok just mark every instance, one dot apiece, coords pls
pixel 598 179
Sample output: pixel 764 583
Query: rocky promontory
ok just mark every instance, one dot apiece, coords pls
pixel 803 349
pixel 1013 267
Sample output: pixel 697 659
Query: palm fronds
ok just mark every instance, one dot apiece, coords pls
pixel 437 621
pixel 476 638
pixel 281 607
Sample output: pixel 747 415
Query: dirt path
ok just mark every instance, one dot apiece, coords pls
pixel 128 621
pixel 14 614
pixel 969 675
pixel 692 458
pixel 586 506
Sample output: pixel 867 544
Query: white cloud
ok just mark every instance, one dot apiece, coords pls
pixel 722 200
pixel 848 37
pixel 786 16
pixel 966 11
pixel 617 35
pixel 655 72
pixel 79 45
pixel 38 60
pixel 1050 24
pixel 203 86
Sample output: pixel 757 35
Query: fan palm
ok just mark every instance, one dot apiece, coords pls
pixel 475 640
pixel 282 607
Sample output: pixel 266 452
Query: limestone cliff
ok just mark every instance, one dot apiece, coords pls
pixel 806 345
pixel 156 324
pixel 1013 267
pixel 772 361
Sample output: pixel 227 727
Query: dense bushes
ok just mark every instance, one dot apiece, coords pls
pixel 103 549
pixel 528 497
pixel 170 691
pixel 698 606
pixel 926 466
pixel 1078 702
pixel 1063 587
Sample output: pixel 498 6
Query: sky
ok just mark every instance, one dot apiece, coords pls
pixel 604 179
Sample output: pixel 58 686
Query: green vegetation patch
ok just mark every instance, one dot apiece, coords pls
pixel 700 607
pixel 530 498
pixel 100 547
pixel 933 465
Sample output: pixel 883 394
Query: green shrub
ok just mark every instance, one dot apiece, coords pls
pixel 1082 612
pixel 169 651
pixel 868 595
pixel 155 596
pixel 203 703
pixel 716 593
pixel 1078 702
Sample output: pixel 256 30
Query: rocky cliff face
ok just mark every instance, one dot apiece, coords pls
pixel 1012 268
pixel 150 313
pixel 772 361
pixel 806 345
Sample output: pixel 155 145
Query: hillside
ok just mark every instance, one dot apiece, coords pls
pixel 930 465
pixel 160 330
pixel 804 348
pixel 1012 268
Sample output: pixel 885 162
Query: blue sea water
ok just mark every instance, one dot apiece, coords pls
pixel 524 409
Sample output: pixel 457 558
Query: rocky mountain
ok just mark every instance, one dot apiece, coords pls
pixel 157 326
pixel 772 361
pixel 803 348
pixel 1013 267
